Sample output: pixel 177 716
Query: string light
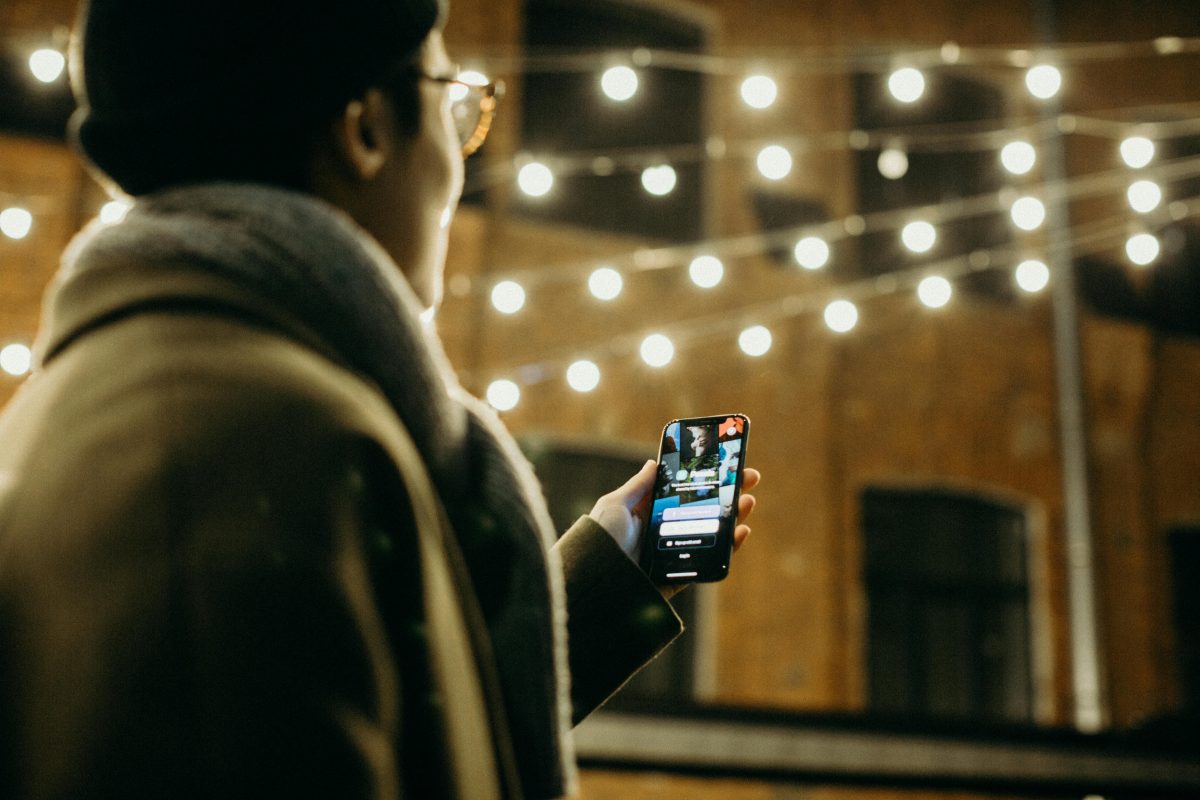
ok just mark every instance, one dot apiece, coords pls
pixel 15 222
pixel 1143 249
pixel 934 291
pixel 503 395
pixel 16 359
pixel 919 237
pixel 1043 81
pixel 1018 157
pixel 619 83
pixel 907 84
pixel 755 341
pixel 1032 276
pixel 841 316
pixel 605 283
pixel 706 271
pixel 1137 151
pixel 893 163
pixel 774 162
pixel 535 179
pixel 1028 213
pixel 811 252
pixel 759 91
pixel 657 350
pixel 659 180
pixel 583 376
pixel 1144 196
pixel 508 297
pixel 47 64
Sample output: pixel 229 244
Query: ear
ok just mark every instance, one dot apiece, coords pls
pixel 364 136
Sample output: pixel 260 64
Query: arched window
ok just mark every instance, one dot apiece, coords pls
pixel 948 597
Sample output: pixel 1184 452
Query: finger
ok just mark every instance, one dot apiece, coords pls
pixel 750 478
pixel 746 504
pixel 740 534
pixel 637 487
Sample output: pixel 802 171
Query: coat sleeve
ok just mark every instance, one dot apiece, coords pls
pixel 617 621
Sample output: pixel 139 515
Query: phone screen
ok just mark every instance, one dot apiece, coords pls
pixel 689 535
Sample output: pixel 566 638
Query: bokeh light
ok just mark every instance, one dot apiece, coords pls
pixel 841 316
pixel 774 162
pixel 755 341
pixel 508 297
pixel 47 64
pixel 919 236
pixel 907 84
pixel 535 179
pixel 706 271
pixel 1032 275
pixel 812 252
pixel 605 283
pixel 583 376
pixel 16 359
pixel 619 83
pixel 1018 157
pixel 503 395
pixel 934 291
pixel 657 350
pixel 759 91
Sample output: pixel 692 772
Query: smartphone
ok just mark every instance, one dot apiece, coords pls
pixel 689 534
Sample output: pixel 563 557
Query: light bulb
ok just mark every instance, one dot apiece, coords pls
pixel 755 341
pixel 508 297
pixel 1032 275
pixel 893 163
pixel 659 180
pixel 1018 157
pixel 619 83
pixel 1144 196
pixel 706 271
pixel 759 91
pixel 1143 249
pixel 503 395
pixel 47 64
pixel 919 236
pixel 535 179
pixel 583 376
pixel 15 222
pixel 1137 151
pixel 657 350
pixel 1028 213
pixel 605 283
pixel 841 316
pixel 812 252
pixel 935 291
pixel 774 162
pixel 1043 81
pixel 907 84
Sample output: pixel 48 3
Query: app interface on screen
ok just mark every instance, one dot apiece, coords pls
pixel 695 491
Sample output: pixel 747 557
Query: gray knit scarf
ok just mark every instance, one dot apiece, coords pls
pixel 315 263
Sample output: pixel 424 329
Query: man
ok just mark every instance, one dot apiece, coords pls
pixel 254 539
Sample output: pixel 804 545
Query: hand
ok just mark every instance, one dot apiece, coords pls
pixel 622 511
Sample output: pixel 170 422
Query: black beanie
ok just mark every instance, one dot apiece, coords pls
pixel 177 90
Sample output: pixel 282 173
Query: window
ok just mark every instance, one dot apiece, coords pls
pixel 573 476
pixel 566 112
pixel 948 597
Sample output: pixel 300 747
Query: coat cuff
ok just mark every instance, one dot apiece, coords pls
pixel 617 620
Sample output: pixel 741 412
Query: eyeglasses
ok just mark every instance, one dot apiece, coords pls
pixel 472 107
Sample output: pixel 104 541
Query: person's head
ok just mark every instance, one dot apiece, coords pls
pixel 323 96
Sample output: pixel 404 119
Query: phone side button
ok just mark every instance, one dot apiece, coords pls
pixel 681 574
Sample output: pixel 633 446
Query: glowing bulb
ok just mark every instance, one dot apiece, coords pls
pixel 759 91
pixel 16 359
pixel 535 179
pixel 919 236
pixel 657 350
pixel 841 316
pixel 1028 213
pixel 1144 196
pixel 15 222
pixel 1043 81
pixel 893 164
pixel 1137 151
pixel 774 162
pixel 812 252
pixel 503 395
pixel 47 64
pixel 1143 249
pixel 1018 157
pixel 113 211
pixel 907 85
pixel 659 180
pixel 583 376
pixel 605 283
pixel 619 83
pixel 706 271
pixel 508 297
pixel 1032 276
pixel 935 291
pixel 755 341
